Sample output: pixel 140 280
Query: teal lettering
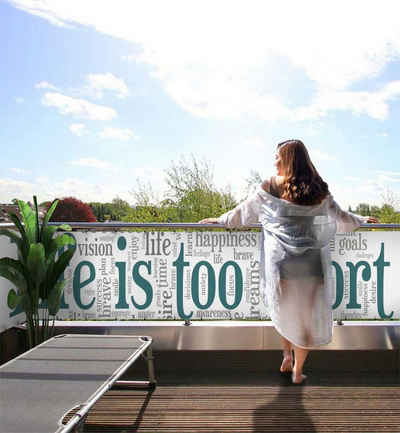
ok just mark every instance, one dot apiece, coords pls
pixel 238 285
pixel 366 276
pixel 121 286
pixel 380 268
pixel 211 285
pixel 339 284
pixel 179 263
pixel 142 283
pixel 78 284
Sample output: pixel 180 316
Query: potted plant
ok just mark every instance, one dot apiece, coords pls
pixel 37 271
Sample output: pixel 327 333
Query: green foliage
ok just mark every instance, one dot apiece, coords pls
pixel 37 271
pixel 114 211
pixel 363 209
pixel 192 196
pixel 386 214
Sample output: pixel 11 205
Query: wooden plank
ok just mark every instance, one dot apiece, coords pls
pixel 205 409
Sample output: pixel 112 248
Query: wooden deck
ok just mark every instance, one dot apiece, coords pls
pixel 221 392
pixel 361 404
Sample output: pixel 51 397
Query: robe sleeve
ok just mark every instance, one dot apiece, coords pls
pixel 247 212
pixel 346 221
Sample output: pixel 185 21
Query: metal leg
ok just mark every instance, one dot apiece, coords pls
pixel 80 425
pixel 150 366
pixel 151 383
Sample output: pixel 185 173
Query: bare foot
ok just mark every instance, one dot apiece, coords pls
pixel 287 365
pixel 297 379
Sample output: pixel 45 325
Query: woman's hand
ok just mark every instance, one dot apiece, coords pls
pixel 372 220
pixel 209 221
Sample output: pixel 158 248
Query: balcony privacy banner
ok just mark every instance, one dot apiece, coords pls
pixel 204 275
pixel 7 319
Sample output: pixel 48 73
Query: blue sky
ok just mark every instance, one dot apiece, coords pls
pixel 98 94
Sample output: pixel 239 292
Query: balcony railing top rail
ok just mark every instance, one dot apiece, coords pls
pixel 114 225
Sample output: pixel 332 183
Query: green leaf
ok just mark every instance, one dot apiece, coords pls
pixel 29 219
pixel 65 227
pixel 12 235
pixel 55 297
pixel 60 265
pixel 64 240
pixel 47 217
pixel 13 300
pixel 14 277
pixel 27 304
pixel 50 260
pixel 24 239
pixel 15 265
pixel 48 282
pixel 48 241
pixel 36 263
pixel 50 211
pixel 37 225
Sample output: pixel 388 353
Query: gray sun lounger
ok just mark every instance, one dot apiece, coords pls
pixel 39 387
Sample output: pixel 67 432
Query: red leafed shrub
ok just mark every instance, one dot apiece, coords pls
pixel 70 209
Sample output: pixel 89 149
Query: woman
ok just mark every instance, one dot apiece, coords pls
pixel 298 217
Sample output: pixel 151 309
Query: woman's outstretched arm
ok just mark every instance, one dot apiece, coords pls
pixel 348 221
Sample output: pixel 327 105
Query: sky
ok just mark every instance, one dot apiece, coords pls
pixel 98 94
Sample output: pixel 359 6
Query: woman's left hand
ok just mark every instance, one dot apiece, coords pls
pixel 372 220
pixel 209 221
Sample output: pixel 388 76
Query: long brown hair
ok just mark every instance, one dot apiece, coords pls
pixel 302 184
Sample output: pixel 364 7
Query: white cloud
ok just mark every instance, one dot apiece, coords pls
pixel 385 177
pixel 92 163
pixel 224 72
pixel 78 129
pixel 257 143
pixel 100 82
pixel 388 173
pixel 383 134
pixel 48 189
pixel 374 104
pixel 129 58
pixel 20 170
pixel 45 85
pixel 19 100
pixel 117 134
pixel 79 108
pixel 352 179
pixel 318 155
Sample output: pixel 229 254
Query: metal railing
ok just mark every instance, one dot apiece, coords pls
pixel 116 225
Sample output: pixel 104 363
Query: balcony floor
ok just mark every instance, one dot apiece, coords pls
pixel 233 401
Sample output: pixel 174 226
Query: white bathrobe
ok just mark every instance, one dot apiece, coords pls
pixel 296 277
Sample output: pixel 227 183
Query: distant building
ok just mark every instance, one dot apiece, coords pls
pixel 5 209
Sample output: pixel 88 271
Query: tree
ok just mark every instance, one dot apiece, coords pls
pixel 387 212
pixel 363 209
pixel 70 209
pixel 193 193
pixel 120 208
pixel 388 215
pixel 144 195
pixel 114 211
